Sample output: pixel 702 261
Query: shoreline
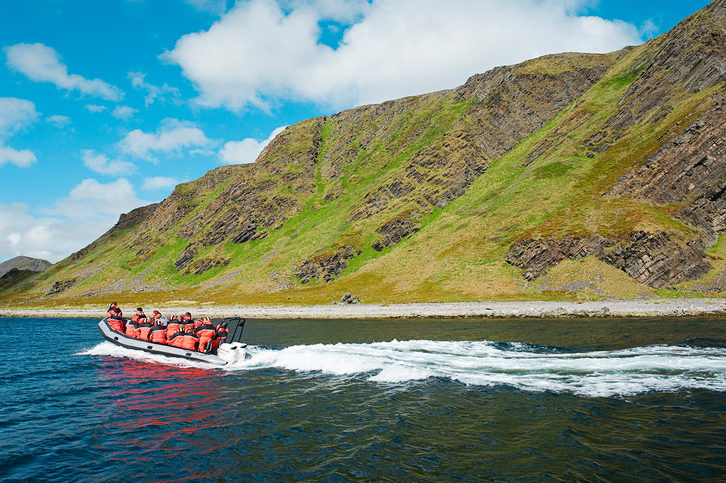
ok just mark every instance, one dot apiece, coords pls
pixel 484 310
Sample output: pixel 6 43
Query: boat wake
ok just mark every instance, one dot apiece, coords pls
pixel 659 368
pixel 108 349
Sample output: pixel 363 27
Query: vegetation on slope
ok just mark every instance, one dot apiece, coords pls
pixel 529 181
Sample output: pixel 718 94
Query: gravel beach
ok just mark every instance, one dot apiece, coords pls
pixel 610 308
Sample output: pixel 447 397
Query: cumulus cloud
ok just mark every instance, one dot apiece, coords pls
pixel 93 199
pixel 15 114
pixel 247 150
pixel 153 92
pixel 94 108
pixel 41 63
pixel 101 164
pixel 72 223
pixel 22 158
pixel 261 50
pixel 156 183
pixel 124 112
pixel 24 234
pixel 171 136
pixel 58 121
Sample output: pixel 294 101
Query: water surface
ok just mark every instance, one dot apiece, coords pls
pixel 373 400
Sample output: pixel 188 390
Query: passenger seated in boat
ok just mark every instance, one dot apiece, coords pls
pixel 186 322
pixel 172 328
pixel 111 309
pixel 155 317
pixel 222 331
pixel 131 328
pixel 157 334
pixel 185 340
pixel 142 330
pixel 115 320
pixel 139 316
pixel 206 333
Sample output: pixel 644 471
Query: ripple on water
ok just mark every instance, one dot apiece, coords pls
pixel 397 410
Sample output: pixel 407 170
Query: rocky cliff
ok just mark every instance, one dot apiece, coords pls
pixel 576 175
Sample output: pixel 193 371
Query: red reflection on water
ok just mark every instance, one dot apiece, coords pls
pixel 158 411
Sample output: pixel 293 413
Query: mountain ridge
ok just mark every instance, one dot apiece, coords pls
pixel 556 177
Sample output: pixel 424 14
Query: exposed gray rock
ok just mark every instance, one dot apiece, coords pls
pixel 690 170
pixel 60 286
pixel 187 256
pixel 655 259
pixel 326 267
pixel 394 231
pixel 204 264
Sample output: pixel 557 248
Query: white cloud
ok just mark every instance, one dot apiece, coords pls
pixel 153 92
pixel 72 223
pixel 93 199
pixel 15 114
pixel 101 164
pixel 247 150
pixel 336 10
pixel 124 112
pixel 41 63
pixel 259 52
pixel 58 121
pixel 216 7
pixel 94 108
pixel 22 158
pixel 171 136
pixel 156 183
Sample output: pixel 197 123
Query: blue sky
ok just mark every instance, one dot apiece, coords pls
pixel 106 105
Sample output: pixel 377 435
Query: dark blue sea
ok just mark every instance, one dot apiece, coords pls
pixel 408 400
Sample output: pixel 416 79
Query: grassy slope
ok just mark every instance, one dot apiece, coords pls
pixel 459 253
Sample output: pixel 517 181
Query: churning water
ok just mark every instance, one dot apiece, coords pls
pixel 372 400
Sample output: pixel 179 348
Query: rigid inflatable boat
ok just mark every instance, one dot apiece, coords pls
pixel 229 351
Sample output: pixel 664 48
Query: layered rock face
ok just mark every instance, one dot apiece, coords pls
pixel 654 259
pixel 326 267
pixel 689 170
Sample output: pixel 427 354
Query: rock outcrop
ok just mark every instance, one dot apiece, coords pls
pixel 394 231
pixel 654 259
pixel 326 267
pixel 60 286
pixel 689 170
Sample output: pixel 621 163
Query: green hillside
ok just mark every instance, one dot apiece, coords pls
pixel 573 175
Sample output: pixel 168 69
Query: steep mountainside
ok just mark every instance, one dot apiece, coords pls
pixel 575 175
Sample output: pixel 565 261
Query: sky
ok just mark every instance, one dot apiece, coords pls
pixel 106 105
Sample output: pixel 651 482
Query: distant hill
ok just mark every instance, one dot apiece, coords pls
pixel 24 263
pixel 570 175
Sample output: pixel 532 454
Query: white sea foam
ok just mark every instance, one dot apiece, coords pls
pixel 108 349
pixel 597 373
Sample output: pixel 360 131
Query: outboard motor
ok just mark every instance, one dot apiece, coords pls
pixel 232 349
